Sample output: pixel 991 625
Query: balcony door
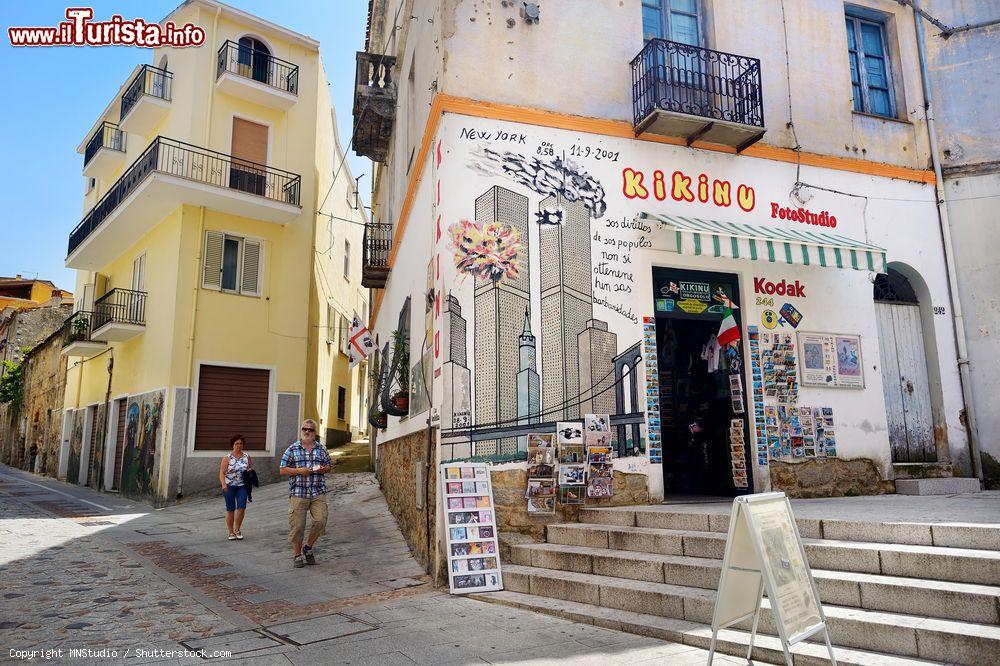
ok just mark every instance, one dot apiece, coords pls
pixel 679 72
pixel 249 151
pixel 254 59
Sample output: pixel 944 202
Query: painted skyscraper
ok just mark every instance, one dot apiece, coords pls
pixel 499 312
pixel 456 407
pixel 528 398
pixel 567 305
pixel 598 348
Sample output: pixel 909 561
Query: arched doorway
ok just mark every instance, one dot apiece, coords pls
pixel 904 369
pixel 255 57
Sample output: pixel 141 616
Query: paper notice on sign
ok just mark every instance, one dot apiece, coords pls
pixel 817 359
pixel 692 306
pixel 793 598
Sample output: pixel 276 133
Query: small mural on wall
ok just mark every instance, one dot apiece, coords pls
pixel 143 426
pixel 95 478
pixel 75 446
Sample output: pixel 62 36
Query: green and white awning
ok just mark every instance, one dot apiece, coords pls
pixel 737 240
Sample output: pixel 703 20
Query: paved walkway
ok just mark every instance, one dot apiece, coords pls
pixel 85 570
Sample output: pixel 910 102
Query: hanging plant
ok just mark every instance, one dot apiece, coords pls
pixel 401 361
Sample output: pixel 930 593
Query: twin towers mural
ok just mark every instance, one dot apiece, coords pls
pixel 580 369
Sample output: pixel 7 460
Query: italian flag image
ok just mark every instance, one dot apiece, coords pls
pixel 728 331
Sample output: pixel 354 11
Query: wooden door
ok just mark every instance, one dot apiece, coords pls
pixel 249 151
pixel 95 428
pixel 119 444
pixel 904 382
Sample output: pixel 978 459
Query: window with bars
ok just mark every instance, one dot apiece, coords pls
pixel 871 77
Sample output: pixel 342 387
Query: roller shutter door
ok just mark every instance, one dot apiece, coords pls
pixel 231 401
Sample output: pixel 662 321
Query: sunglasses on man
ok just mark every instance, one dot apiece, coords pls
pixel 309 430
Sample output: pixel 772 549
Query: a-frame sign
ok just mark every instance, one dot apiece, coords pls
pixel 764 553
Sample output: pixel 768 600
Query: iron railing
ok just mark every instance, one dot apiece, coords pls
pixel 258 65
pixel 697 81
pixel 376 243
pixel 149 81
pixel 122 306
pixel 79 326
pixel 183 160
pixel 374 105
pixel 107 136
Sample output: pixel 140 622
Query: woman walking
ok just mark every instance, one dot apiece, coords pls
pixel 233 486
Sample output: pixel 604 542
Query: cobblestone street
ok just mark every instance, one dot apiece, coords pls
pixel 84 570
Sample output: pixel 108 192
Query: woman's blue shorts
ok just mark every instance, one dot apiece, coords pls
pixel 236 497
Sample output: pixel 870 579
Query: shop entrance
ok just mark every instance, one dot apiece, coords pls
pixel 698 402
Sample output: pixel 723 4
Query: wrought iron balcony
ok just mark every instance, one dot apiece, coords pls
pixel 119 315
pixel 697 94
pixel 376 245
pixel 146 100
pixel 107 136
pixel 257 76
pixel 170 173
pixel 77 332
pixel 374 105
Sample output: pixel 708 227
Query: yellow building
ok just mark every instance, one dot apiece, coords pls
pixel 215 286
pixel 19 292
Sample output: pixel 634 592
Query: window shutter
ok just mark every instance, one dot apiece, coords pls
pixel 250 280
pixel 345 331
pixel 211 277
pixel 331 323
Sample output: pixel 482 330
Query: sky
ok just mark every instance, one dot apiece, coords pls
pixel 52 96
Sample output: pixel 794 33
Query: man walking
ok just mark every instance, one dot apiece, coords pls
pixel 305 462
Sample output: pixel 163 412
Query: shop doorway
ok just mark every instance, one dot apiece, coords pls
pixel 697 401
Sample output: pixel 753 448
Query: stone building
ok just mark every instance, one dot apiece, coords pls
pixel 25 326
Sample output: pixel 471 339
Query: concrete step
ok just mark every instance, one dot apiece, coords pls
pixel 944 486
pixel 767 648
pixel 932 598
pixel 895 633
pixel 960 565
pixel 950 535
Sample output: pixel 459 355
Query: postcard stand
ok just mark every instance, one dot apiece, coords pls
pixel 764 553
pixel 470 528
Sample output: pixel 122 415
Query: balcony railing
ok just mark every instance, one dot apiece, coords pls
pixel 680 78
pixel 376 245
pixel 176 158
pixel 78 328
pixel 107 136
pixel 374 105
pixel 149 81
pixel 258 65
pixel 121 306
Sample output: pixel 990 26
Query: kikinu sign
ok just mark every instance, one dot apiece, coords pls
pixel 546 260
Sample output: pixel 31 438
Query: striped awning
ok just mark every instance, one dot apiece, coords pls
pixel 737 240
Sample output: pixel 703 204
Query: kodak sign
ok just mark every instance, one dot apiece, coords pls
pixel 783 288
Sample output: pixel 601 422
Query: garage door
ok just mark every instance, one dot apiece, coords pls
pixel 231 401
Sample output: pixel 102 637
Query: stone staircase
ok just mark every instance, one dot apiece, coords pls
pixel 893 593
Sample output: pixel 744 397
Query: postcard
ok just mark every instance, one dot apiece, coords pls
pixel 540 471
pixel 572 494
pixel 471 532
pixel 598 454
pixel 541 456
pixel 569 432
pixel 457 533
pixel 454 488
pixel 539 505
pixel 541 440
pixel 466 582
pixel 540 487
pixel 571 454
pixel 598 439
pixel 483 502
pixel 453 473
pixel 454 502
pixel 599 487
pixel 572 474
pixel 469 502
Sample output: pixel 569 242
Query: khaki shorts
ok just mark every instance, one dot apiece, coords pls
pixel 298 507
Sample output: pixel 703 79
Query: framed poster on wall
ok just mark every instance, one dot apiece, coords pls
pixel 470 528
pixel 832 360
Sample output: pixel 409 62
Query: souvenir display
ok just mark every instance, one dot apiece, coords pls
pixel 473 550
pixel 599 466
pixel 654 446
pixel 541 491
pixel 757 404
pixel 737 447
pixel 831 360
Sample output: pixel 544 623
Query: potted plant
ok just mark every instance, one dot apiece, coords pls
pixel 401 356
pixel 377 417
pixel 80 326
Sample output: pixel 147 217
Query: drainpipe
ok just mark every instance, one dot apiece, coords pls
pixel 197 277
pixel 941 196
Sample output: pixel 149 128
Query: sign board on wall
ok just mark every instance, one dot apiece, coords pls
pixel 764 553
pixel 831 359
pixel 471 529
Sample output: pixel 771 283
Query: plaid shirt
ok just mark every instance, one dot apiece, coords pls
pixel 306 485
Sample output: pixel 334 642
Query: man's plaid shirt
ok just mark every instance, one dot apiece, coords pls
pixel 307 485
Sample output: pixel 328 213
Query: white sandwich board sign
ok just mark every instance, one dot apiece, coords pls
pixel 764 553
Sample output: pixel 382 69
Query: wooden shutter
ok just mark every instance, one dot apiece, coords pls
pixel 139 273
pixel 119 444
pixel 250 277
pixel 331 324
pixel 211 277
pixel 249 141
pixel 231 401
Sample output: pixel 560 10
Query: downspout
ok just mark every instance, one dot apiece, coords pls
pixel 197 277
pixel 941 196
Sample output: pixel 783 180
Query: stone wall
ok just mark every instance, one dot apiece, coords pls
pixel 510 485
pixel 832 477
pixel 29 327
pixel 398 460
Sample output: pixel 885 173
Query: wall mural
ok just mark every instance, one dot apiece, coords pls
pixel 526 380
pixel 75 446
pixel 95 478
pixel 143 425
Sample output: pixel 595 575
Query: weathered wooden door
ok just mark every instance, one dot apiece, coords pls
pixel 904 381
